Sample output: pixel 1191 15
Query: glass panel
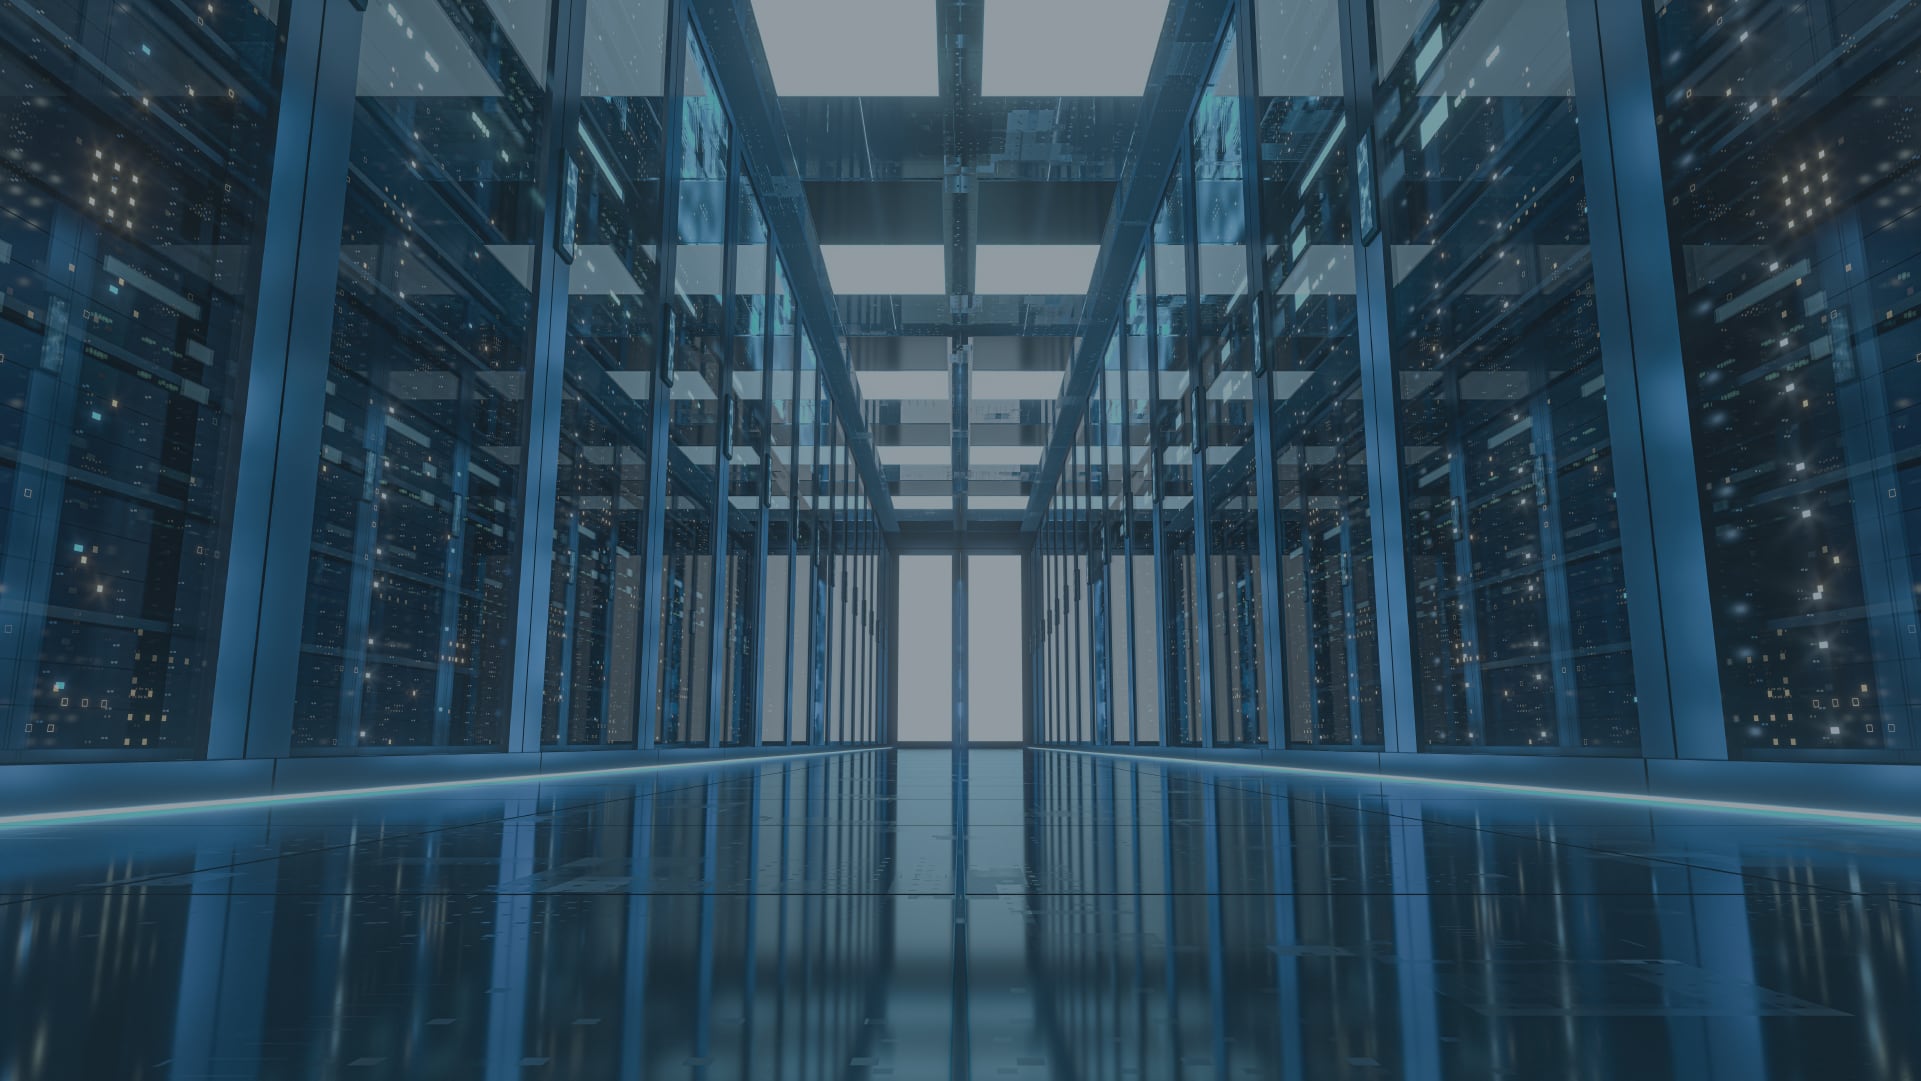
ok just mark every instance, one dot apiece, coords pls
pixel 1514 558
pixel 1148 699
pixel 831 540
pixel 698 347
pixel 1233 553
pixel 1330 657
pixel 818 679
pixel 613 338
pixel 1120 661
pixel 773 711
pixel 1083 597
pixel 687 612
pixel 1112 622
pixel 1787 175
pixel 1174 493
pixel 1333 675
pixel 1224 325
pixel 1058 688
pixel 803 637
pixel 594 612
pixel 1226 355
pixel 1136 406
pixel 782 433
pixel 409 625
pixel 745 449
pixel 806 545
pixel 130 228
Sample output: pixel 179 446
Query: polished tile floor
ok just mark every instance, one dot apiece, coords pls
pixel 1052 916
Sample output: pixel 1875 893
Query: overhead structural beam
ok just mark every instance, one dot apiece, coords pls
pixel 1181 67
pixel 961 25
pixel 728 30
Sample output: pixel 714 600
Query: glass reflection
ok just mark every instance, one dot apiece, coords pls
pixel 743 449
pixel 613 338
pixel 1330 667
pixel 699 344
pixel 1519 608
pixel 1332 681
pixel 1041 915
pixel 1174 470
pixel 1790 184
pixel 779 400
pixel 408 634
pixel 131 226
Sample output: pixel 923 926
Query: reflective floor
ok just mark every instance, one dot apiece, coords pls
pixel 1056 916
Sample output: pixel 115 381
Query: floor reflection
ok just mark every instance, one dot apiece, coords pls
pixel 1112 920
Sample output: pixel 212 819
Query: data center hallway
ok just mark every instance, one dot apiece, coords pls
pixel 1080 918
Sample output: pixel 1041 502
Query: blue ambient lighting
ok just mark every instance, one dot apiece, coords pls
pixel 156 810
pixel 1818 814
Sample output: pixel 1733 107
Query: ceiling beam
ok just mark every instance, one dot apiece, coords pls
pixel 732 38
pixel 961 23
pixel 1182 65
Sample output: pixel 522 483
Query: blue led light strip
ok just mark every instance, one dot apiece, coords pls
pixel 281 799
pixel 1820 814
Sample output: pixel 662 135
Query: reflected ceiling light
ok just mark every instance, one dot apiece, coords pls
pixel 886 269
pixel 1034 269
pixel 851 48
pixel 1069 48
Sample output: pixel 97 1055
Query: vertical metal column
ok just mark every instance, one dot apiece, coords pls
pixel 1101 603
pixel 1031 602
pixel 547 376
pixel 1074 542
pixel 1379 399
pixel 793 541
pixel 1127 540
pixel 1156 448
pixel 654 545
pixel 960 387
pixel 1663 549
pixel 1201 596
pixel 817 584
pixel 1261 403
pixel 717 650
pixel 259 657
pixel 888 728
pixel 755 718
